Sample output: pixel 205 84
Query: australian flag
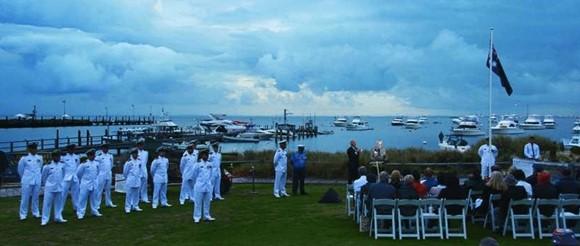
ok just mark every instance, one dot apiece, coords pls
pixel 498 70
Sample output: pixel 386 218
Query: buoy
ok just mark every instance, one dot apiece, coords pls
pixel 424 142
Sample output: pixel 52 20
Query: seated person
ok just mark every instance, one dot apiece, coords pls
pixel 567 184
pixel 513 192
pixel 395 179
pixel 453 191
pixel 545 190
pixel 474 182
pixel 421 189
pixel 361 181
pixel 428 180
pixel 495 185
pixel 381 190
pixel 534 177
pixel 407 192
pixel 434 191
pixel 520 176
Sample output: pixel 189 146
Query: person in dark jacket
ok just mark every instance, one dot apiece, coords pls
pixel 495 185
pixel 567 184
pixel 381 190
pixel 407 192
pixel 453 191
pixel 534 177
pixel 545 190
pixel 513 192
pixel 474 182
pixel 396 179
pixel 353 153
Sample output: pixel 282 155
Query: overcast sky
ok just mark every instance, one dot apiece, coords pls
pixel 312 57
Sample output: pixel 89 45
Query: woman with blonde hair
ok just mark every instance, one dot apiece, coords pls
pixel 396 179
pixel 495 185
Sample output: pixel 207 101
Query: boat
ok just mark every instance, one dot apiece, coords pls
pixel 340 122
pixel 493 118
pixel 257 134
pixel 412 124
pixel 454 143
pixel 506 127
pixel 358 125
pixel 325 132
pixel 573 142
pixel 423 119
pixel 532 123
pixel 576 128
pixel 238 139
pixel 398 121
pixel 217 123
pixel 549 122
pixel 467 128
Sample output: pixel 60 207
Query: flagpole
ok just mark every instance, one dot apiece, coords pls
pixel 490 78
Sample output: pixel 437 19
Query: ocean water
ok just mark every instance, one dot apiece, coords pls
pixel 392 136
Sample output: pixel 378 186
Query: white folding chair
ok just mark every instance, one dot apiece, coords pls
pixel 472 196
pixel 551 205
pixel 514 217
pixel 357 207
pixel 491 211
pixel 455 204
pixel 383 210
pixel 431 210
pixel 413 209
pixel 363 212
pixel 349 200
pixel 570 210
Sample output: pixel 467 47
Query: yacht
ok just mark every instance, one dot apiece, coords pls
pixel 412 124
pixel 576 128
pixel 340 122
pixel 549 122
pixel 358 125
pixel 506 127
pixel 493 118
pixel 454 143
pixel 532 123
pixel 398 121
pixel 217 123
pixel 422 119
pixel 467 128
pixel 573 142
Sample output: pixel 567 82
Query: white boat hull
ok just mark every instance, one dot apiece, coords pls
pixel 461 132
pixel 532 127
pixel 412 126
pixel 356 128
pixel 447 147
pixel 506 131
pixel 340 124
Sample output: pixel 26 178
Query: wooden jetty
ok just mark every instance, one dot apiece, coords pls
pixel 54 121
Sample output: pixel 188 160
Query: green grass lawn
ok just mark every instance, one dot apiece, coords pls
pixel 242 219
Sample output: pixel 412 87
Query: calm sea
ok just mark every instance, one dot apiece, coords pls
pixel 393 137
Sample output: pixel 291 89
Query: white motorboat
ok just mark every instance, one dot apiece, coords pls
pixel 532 123
pixel 506 127
pixel 467 128
pixel 423 119
pixel 340 122
pixel 398 121
pixel 493 118
pixel 573 142
pixel 576 128
pixel 549 122
pixel 257 134
pixel 454 143
pixel 412 124
pixel 358 125
pixel 218 123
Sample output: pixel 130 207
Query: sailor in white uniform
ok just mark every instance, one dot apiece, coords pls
pixel 216 159
pixel 71 182
pixel 280 168
pixel 487 154
pixel 52 179
pixel 144 157
pixel 29 168
pixel 532 149
pixel 159 168
pixel 132 174
pixel 88 173
pixel 202 175
pixel 105 161
pixel 186 165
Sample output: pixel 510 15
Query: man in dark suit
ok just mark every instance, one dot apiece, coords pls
pixel 567 184
pixel 353 153
pixel 545 190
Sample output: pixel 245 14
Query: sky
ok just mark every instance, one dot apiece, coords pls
pixel 310 57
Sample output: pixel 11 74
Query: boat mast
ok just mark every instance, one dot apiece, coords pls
pixel 490 58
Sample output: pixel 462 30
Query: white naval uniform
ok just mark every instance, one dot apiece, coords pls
pixel 202 174
pixel 216 160
pixel 52 178
pixel 29 168
pixel 71 181
pixel 532 151
pixel 105 162
pixel 132 174
pixel 144 157
pixel 88 173
pixel 186 166
pixel 159 168
pixel 488 156
pixel 280 167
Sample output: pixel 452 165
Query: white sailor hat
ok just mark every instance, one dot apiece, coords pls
pixel 161 148
pixel 141 141
pixel 300 146
pixel 282 142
